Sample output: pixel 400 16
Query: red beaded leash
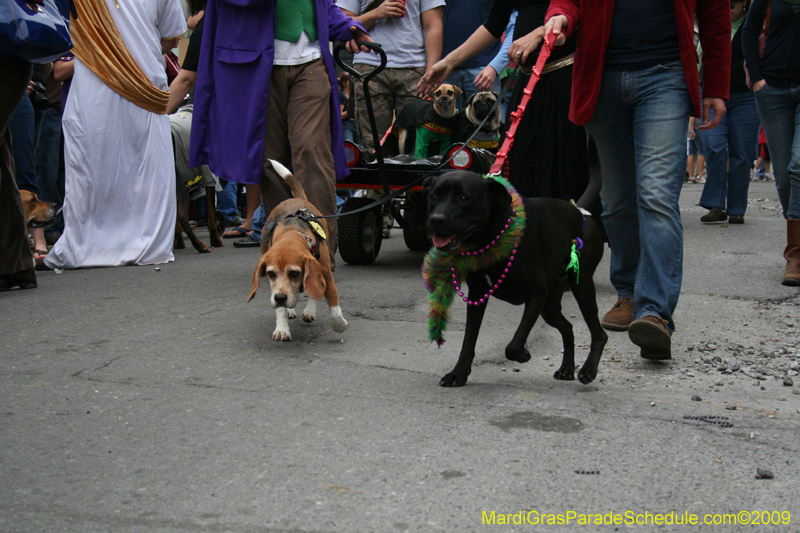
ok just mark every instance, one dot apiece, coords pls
pixel 516 116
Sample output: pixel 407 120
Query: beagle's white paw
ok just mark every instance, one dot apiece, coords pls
pixel 282 335
pixel 292 314
pixel 310 312
pixel 282 332
pixel 338 323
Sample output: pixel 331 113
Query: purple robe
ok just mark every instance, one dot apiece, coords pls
pixel 233 78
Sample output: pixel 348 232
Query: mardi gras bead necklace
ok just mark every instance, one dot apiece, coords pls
pixel 443 271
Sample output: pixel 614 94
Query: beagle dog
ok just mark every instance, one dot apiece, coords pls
pixel 38 213
pixel 297 258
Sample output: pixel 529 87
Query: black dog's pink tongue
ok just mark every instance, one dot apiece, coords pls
pixel 439 241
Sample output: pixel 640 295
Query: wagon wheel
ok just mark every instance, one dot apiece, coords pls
pixel 360 235
pixel 415 215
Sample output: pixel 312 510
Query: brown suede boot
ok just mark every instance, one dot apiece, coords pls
pixel 792 253
pixel 620 316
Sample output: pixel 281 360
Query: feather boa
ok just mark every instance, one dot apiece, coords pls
pixel 437 273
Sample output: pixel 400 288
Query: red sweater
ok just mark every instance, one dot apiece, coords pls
pixel 593 17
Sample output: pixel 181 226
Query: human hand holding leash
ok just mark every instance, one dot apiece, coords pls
pixel 557 24
pixel 524 46
pixel 718 105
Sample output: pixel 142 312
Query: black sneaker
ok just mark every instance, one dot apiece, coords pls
pixel 247 242
pixel 736 219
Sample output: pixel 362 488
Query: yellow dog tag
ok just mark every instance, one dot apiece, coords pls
pixel 317 227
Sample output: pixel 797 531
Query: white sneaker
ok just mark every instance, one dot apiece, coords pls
pixel 769 177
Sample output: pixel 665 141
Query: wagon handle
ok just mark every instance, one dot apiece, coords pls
pixel 368 100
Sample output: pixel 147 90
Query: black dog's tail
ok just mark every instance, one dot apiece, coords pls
pixel 291 181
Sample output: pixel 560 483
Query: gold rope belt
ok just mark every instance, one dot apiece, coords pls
pixel 552 65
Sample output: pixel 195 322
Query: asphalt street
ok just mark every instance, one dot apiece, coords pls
pixel 143 399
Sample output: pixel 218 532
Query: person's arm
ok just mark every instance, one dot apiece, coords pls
pixel 389 8
pixel 750 33
pixel 179 88
pixel 63 69
pixel 714 23
pixel 169 44
pixel 485 78
pixel 562 18
pixel 477 42
pixel 434 28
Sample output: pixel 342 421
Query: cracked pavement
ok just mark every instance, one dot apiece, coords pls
pixel 135 399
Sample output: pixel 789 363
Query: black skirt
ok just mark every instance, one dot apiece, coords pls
pixel 549 157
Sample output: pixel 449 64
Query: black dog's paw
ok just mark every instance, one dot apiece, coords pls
pixel 520 356
pixel 587 375
pixel 565 373
pixel 453 380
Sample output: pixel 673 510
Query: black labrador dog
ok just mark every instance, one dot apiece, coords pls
pixel 467 211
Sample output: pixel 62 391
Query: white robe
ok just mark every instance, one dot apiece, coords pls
pixel 119 204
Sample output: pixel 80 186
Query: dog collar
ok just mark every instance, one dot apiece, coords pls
pixel 443 271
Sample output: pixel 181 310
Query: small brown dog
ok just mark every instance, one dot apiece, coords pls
pixel 422 122
pixel 296 257
pixel 38 213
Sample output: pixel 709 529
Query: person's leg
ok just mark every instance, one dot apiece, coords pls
pixel 226 203
pixel 715 190
pixel 276 140
pixel 778 112
pixel 16 261
pixel 612 129
pixel 404 86
pixel 742 135
pixel 309 126
pixel 48 152
pixel 662 108
pixel 22 127
pixel 382 105
pixel 23 132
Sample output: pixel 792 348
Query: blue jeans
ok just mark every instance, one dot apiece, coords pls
pixel 779 111
pixel 639 126
pixel 464 79
pixel 23 138
pixel 259 219
pixel 48 164
pixel 730 155
pixel 226 201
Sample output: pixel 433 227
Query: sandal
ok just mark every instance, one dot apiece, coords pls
pixel 236 233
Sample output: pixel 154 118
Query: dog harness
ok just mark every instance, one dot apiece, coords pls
pixel 311 220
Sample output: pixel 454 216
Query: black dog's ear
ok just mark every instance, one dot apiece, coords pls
pixel 427 184
pixel 470 99
pixel 501 199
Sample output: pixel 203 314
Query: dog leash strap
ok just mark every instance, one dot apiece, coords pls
pixel 516 116
pixel 391 196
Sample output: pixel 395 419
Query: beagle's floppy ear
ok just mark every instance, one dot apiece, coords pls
pixel 313 281
pixel 260 272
